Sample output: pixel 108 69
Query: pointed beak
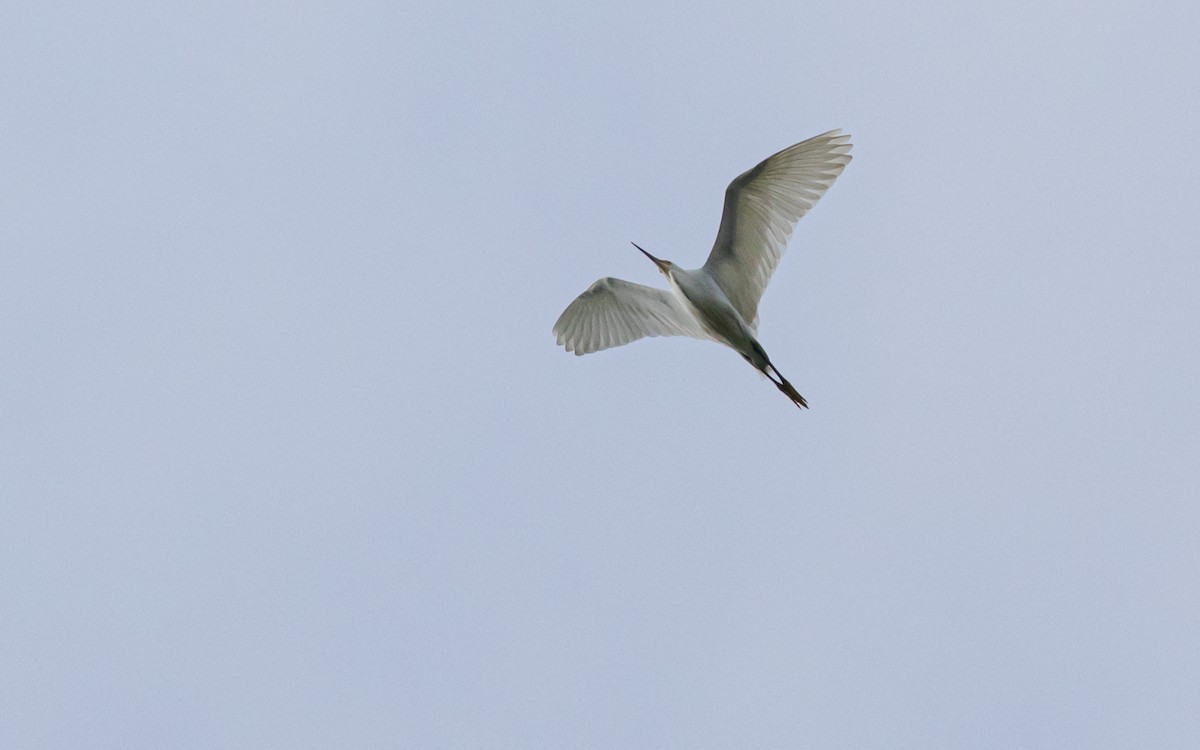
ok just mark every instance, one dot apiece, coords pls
pixel 662 264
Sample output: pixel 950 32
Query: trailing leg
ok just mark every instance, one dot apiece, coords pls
pixel 757 356
pixel 786 387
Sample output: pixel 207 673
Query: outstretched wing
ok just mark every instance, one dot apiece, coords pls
pixel 613 312
pixel 762 207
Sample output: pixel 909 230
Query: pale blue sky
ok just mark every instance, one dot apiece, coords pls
pixel 290 458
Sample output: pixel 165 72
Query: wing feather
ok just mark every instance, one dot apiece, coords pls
pixel 762 207
pixel 613 312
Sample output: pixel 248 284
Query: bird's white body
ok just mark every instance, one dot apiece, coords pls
pixel 709 306
pixel 719 300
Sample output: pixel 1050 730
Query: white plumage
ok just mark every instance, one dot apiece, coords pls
pixel 718 301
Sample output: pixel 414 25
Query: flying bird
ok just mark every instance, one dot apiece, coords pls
pixel 718 301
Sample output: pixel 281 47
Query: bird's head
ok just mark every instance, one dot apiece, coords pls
pixel 663 265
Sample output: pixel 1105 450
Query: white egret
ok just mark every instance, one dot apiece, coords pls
pixel 719 300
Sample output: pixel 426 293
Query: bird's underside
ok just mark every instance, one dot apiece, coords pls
pixel 719 301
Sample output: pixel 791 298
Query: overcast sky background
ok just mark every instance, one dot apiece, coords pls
pixel 289 457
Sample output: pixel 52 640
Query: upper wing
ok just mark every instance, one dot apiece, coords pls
pixel 762 207
pixel 613 312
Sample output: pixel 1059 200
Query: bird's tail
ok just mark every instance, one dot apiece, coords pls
pixel 786 387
